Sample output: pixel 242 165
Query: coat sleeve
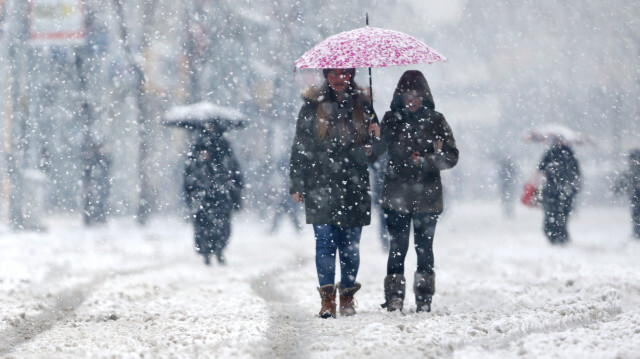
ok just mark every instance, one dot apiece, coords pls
pixel 237 180
pixel 237 184
pixel 543 166
pixel 301 148
pixel 381 145
pixel 448 157
pixel 191 189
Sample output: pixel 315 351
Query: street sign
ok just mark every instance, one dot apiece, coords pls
pixel 57 22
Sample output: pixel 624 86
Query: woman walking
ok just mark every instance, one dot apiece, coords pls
pixel 329 174
pixel 420 144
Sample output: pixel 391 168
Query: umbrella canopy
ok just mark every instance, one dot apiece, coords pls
pixel 198 115
pixel 554 132
pixel 368 47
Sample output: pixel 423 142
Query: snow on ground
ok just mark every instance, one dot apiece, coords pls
pixel 122 291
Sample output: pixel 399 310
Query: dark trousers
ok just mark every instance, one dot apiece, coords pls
pixel 556 214
pixel 344 240
pixel 424 227
pixel 212 232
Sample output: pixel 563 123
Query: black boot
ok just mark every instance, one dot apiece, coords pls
pixel 424 286
pixel 394 290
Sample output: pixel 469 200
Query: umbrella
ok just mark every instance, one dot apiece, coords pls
pixel 368 47
pixel 198 115
pixel 554 132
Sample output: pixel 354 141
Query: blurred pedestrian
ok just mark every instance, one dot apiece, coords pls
pixel 562 182
pixel 213 185
pixel 96 183
pixel 378 169
pixel 508 173
pixel 329 173
pixel 283 203
pixel 420 144
pixel 629 182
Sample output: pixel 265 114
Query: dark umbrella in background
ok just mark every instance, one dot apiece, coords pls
pixel 547 134
pixel 204 121
pixel 199 115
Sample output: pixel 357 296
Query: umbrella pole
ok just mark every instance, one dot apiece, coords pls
pixel 370 81
pixel 370 88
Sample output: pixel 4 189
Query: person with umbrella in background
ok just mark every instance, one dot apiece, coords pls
pixel 420 144
pixel 562 182
pixel 212 185
pixel 329 174
pixel 629 182
pixel 213 182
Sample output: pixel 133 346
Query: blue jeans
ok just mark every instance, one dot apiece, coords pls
pixel 344 240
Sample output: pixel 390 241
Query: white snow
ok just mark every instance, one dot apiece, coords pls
pixel 124 291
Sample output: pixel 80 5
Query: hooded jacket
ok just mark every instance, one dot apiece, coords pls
pixel 328 160
pixel 411 188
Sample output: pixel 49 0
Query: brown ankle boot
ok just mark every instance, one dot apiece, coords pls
pixel 328 296
pixel 347 302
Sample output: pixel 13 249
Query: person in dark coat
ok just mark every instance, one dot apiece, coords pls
pixel 212 185
pixel 561 185
pixel 629 182
pixel 328 172
pixel 420 144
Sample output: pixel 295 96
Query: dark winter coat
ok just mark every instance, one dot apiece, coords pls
pixel 331 172
pixel 562 175
pixel 411 188
pixel 213 185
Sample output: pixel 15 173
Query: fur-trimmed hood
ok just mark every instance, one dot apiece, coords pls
pixel 319 93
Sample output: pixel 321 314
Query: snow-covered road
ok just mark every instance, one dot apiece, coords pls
pixel 123 291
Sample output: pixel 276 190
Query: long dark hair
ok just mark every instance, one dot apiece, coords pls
pixel 358 97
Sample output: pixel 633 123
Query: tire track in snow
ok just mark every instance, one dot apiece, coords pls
pixel 288 328
pixel 504 340
pixel 62 307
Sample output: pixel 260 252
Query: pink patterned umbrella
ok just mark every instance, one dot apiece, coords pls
pixel 368 47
